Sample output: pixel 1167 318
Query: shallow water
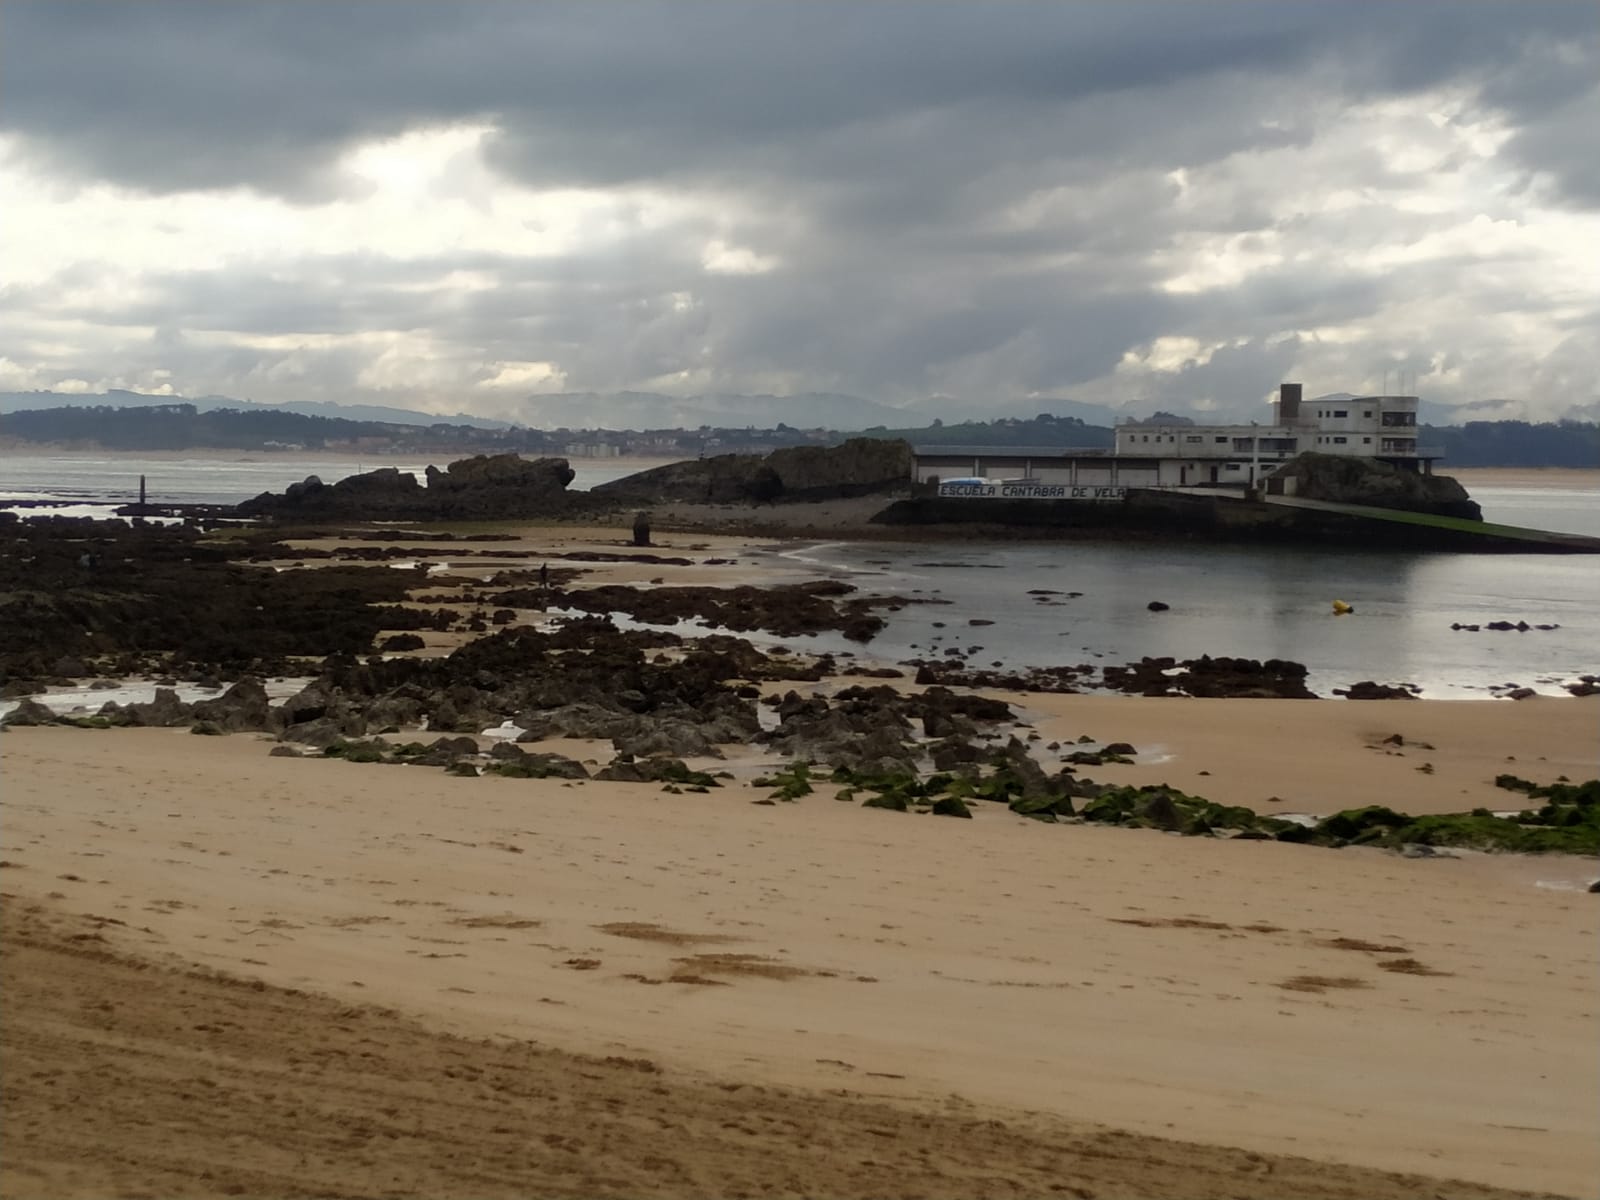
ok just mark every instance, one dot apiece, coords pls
pixel 1248 602
pixel 1251 602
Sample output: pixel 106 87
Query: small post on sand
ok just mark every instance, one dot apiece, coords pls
pixel 141 492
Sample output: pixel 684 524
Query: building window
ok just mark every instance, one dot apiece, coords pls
pixel 1193 437
pixel 1367 415
pixel 1221 441
pixel 1366 441
pixel 1340 413
pixel 1339 441
pixel 1144 437
pixel 1235 467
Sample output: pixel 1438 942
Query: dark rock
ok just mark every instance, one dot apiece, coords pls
pixel 953 754
pixel 857 467
pixel 243 707
pixel 1369 690
pixel 402 641
pixel 951 806
pixel 165 711
pixel 893 801
pixel 29 712
pixel 1159 811
pixel 484 487
pixel 651 770
pixel 319 733
pixel 671 738
pixel 538 766
pixel 1211 677
pixel 1350 480
pixel 284 752
pixel 1157 606
pixel 1522 693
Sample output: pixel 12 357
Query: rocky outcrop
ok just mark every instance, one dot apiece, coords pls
pixel 163 599
pixel 1346 480
pixel 871 731
pixel 1369 689
pixel 787 610
pixel 165 711
pixel 858 467
pixel 486 487
pixel 1245 678
pixel 29 712
pixel 244 706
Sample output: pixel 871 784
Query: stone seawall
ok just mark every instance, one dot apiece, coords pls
pixel 1149 514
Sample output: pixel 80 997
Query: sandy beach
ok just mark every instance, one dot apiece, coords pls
pixel 501 987
pixel 1230 994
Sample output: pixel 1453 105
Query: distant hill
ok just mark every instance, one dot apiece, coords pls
pixel 11 402
pixel 160 423
pixel 1515 444
pixel 1043 430
pixel 183 426
pixel 652 410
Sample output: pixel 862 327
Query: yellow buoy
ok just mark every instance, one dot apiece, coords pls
pixel 1340 608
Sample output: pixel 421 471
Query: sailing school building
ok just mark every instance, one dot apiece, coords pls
pixel 1156 455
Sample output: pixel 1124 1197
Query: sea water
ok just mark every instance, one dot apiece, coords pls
pixel 90 483
pixel 1243 601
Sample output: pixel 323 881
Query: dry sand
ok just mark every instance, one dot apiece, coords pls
pixel 144 1081
pixel 1321 756
pixel 1351 1006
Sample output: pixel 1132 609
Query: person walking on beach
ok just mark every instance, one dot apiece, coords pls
pixel 544 575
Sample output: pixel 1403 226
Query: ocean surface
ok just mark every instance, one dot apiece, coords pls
pixel 1251 602
pixel 77 480
pixel 1240 601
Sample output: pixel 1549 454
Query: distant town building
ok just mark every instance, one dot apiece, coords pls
pixel 1164 453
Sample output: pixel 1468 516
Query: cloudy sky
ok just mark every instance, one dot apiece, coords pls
pixel 971 207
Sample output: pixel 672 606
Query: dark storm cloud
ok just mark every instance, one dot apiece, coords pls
pixel 181 95
pixel 966 197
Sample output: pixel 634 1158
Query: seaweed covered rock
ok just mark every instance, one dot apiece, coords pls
pixel 513 761
pixel 655 770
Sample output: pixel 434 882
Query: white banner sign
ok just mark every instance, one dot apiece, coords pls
pixel 1031 491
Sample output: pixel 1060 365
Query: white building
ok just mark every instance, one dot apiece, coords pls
pixel 1169 455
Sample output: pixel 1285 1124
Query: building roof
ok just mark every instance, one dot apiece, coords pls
pixel 1010 451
